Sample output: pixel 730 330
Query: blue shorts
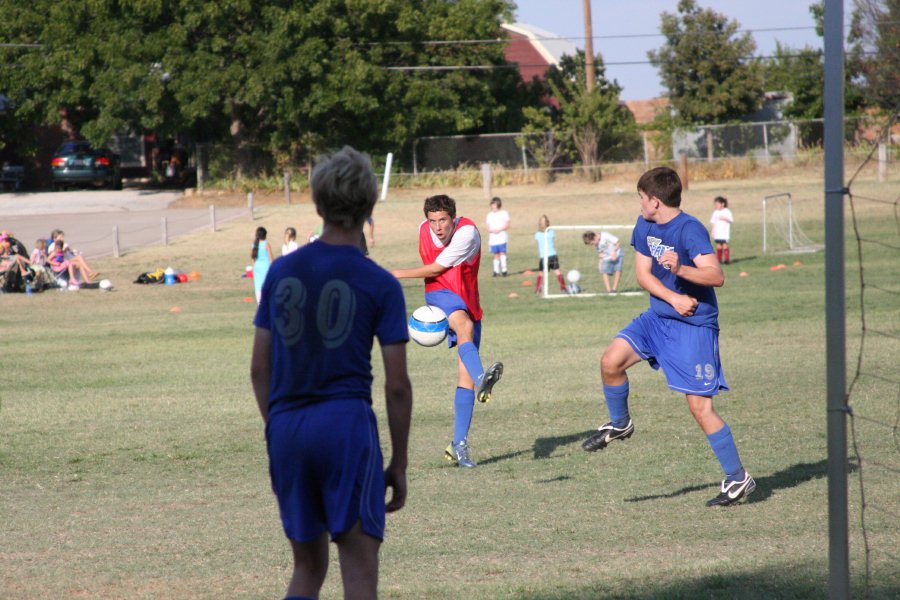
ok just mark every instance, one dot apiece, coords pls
pixel 327 470
pixel 498 248
pixel 688 354
pixel 449 302
pixel 610 267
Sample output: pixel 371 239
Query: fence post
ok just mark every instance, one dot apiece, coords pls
pixel 250 204
pixel 287 187
pixel 882 161
pixel 165 232
pixel 486 179
pixel 116 252
pixel 684 170
pixel 212 217
pixel 709 144
pixel 201 174
pixel 525 162
pixel 766 141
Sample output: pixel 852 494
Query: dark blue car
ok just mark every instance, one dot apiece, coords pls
pixel 79 164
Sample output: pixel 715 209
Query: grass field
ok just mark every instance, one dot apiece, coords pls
pixel 132 460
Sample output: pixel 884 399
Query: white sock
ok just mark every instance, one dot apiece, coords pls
pixel 503 263
pixel 496 266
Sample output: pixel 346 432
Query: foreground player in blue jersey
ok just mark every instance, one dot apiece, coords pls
pixel 311 369
pixel 676 264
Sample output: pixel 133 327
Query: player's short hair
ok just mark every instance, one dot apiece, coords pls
pixel 496 200
pixel 588 237
pixel 344 188
pixel 441 202
pixel 721 200
pixel 662 183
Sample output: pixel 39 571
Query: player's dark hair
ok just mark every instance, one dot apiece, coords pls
pixel 588 237
pixel 496 200
pixel 344 188
pixel 291 232
pixel 261 234
pixel 722 200
pixel 662 183
pixel 441 202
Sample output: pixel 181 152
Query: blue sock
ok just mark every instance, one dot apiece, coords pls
pixel 722 444
pixel 471 360
pixel 463 406
pixel 617 403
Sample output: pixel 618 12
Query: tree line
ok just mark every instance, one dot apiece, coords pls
pixel 298 77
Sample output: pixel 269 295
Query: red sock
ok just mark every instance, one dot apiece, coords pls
pixel 537 288
pixel 562 282
pixel 727 255
pixel 719 254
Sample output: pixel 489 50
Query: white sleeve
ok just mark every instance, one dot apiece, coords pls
pixel 464 245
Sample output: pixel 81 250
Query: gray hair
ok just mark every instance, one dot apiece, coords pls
pixel 344 188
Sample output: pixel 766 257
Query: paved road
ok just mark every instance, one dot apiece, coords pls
pixel 89 217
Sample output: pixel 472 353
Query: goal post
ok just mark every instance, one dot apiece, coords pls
pixel 575 255
pixel 781 234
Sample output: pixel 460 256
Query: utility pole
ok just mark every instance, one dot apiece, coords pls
pixel 589 75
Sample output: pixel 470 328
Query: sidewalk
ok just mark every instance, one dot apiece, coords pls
pixel 89 218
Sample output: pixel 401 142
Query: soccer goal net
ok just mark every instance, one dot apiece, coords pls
pixel 579 263
pixel 781 233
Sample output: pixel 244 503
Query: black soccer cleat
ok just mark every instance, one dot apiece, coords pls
pixel 733 492
pixel 606 434
pixel 490 377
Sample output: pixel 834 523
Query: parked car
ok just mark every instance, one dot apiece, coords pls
pixel 80 164
pixel 11 177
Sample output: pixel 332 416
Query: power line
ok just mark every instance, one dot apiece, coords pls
pixel 524 66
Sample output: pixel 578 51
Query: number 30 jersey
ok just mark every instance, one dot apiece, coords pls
pixel 324 305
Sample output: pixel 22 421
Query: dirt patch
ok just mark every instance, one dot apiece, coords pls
pixel 235 199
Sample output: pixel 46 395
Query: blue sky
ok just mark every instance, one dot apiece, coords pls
pixel 640 17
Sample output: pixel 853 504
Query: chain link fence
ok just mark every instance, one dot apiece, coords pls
pixel 458 159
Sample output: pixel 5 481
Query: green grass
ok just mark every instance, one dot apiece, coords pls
pixel 132 461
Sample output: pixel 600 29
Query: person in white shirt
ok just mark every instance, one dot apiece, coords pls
pixel 720 227
pixel 290 241
pixel 498 224
pixel 610 257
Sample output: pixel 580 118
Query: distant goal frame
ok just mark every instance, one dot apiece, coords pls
pixel 545 282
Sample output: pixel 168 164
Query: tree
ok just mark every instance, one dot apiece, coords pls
pixel 800 72
pixel 874 57
pixel 271 74
pixel 595 124
pixel 706 66
pixel 540 139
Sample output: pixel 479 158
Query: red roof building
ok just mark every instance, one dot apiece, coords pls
pixel 535 50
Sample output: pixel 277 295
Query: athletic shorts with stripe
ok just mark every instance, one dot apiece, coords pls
pixel 327 469
pixel 688 354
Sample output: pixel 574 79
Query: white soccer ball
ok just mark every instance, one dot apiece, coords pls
pixel 573 276
pixel 428 326
pixel 106 285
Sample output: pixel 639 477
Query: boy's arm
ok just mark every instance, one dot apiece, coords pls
pixel 706 271
pixel 261 370
pixel 398 399
pixel 683 304
pixel 432 270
